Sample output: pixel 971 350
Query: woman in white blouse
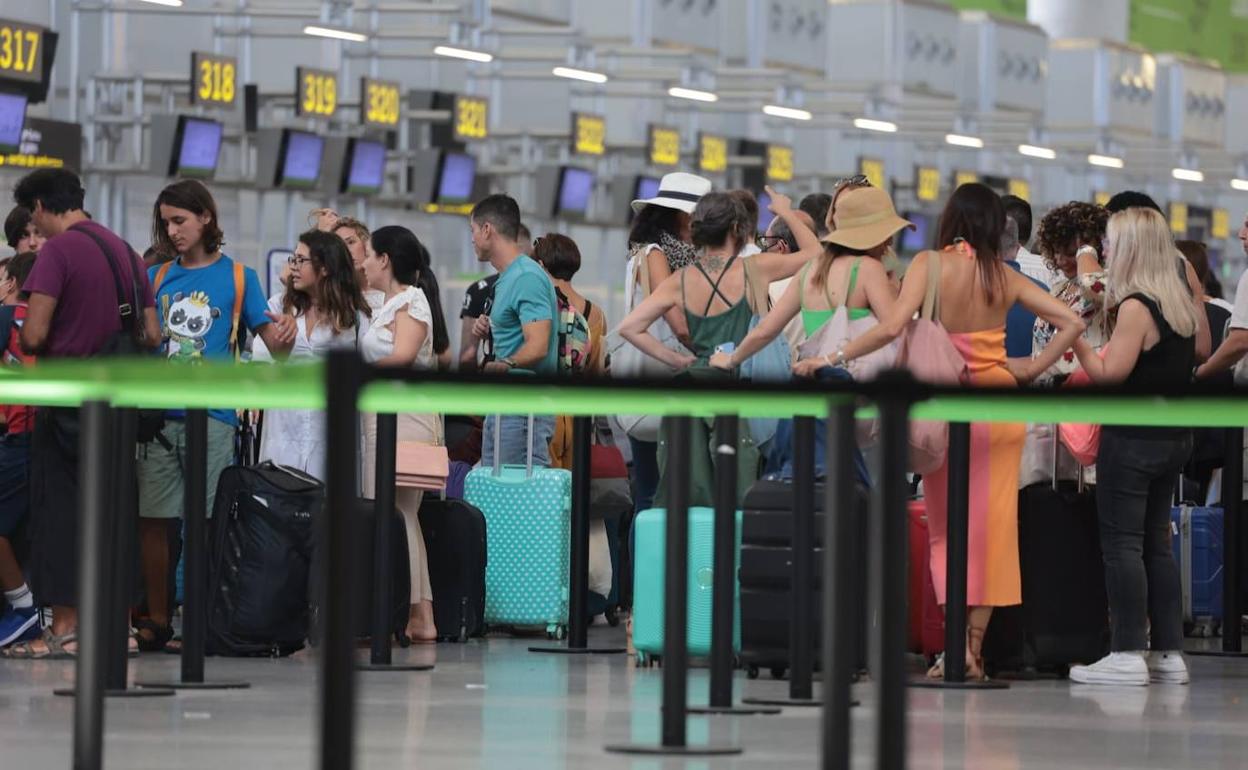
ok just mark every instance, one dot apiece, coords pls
pixel 330 312
pixel 402 333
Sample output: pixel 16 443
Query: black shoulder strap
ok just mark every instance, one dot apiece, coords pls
pixel 125 309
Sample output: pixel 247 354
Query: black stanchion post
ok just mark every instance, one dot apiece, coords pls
pixel 383 563
pixel 195 565
pixel 724 567
pixel 888 565
pixel 93 579
pixel 578 557
pixel 675 609
pixel 840 622
pixel 1232 562
pixel 337 532
pixel 956 552
pixel 802 608
pixel 120 520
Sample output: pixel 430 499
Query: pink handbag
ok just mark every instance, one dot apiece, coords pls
pixel 1083 441
pixel 421 466
pixel 928 353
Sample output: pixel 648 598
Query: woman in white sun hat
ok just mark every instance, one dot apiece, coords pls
pixel 658 245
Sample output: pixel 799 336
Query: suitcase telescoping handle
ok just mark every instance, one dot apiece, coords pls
pixel 1057 448
pixel 498 435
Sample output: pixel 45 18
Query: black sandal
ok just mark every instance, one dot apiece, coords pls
pixel 155 639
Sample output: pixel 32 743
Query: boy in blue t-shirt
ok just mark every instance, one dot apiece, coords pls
pixel 203 300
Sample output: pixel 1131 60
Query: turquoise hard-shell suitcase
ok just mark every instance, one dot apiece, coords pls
pixel 649 538
pixel 527 519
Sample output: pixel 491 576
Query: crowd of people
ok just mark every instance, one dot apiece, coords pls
pixel 820 294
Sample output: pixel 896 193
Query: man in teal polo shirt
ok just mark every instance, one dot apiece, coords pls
pixel 522 321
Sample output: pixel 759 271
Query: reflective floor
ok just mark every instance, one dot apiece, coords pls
pixel 493 704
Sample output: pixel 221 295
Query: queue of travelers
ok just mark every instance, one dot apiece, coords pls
pixel 1109 296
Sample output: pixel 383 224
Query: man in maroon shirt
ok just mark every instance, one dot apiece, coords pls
pixel 73 312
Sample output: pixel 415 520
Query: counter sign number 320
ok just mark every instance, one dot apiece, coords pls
pixel 214 79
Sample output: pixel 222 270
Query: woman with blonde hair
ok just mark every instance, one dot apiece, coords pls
pixel 1153 344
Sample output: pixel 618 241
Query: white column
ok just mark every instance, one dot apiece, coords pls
pixel 1101 19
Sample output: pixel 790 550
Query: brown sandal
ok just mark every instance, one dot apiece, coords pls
pixel 55 648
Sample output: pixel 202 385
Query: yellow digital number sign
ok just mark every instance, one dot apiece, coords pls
pixel 1178 218
pixel 965 177
pixel 1220 227
pixel 214 79
pixel 927 184
pixel 712 154
pixel 779 163
pixel 316 93
pixel 589 134
pixel 471 119
pixel 873 170
pixel 1020 188
pixel 21 51
pixel 663 148
pixel 379 103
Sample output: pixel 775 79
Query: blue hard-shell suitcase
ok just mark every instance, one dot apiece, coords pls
pixel 650 538
pixel 1197 542
pixel 527 520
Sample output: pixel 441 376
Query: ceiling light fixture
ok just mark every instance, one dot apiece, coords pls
pixel 1035 151
pixel 869 124
pixel 170 3
pixel 792 113
pixel 572 73
pixel 961 140
pixel 1240 184
pixel 1188 175
pixel 331 32
pixel 1106 161
pixel 692 93
pixel 464 53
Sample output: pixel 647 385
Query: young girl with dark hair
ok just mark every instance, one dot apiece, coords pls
pixel 976 291
pixel 330 312
pixel 404 333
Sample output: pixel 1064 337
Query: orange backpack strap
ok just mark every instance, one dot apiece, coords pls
pixel 240 289
pixel 161 272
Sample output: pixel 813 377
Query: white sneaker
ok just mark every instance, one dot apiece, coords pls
pixel 1167 668
pixel 1124 668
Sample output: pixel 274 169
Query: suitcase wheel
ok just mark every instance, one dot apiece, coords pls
pixel 557 632
pixel 751 671
pixel 777 672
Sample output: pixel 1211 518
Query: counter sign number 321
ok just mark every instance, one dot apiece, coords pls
pixel 214 79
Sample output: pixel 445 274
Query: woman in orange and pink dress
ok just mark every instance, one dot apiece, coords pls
pixel 976 291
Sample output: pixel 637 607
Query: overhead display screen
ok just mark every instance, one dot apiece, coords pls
pixel 299 165
pixel 459 172
pixel 576 186
pixel 366 167
pixel 12 119
pixel 196 148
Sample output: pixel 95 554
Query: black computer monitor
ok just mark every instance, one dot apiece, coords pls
pixel 576 187
pixel 456 176
pixel 920 238
pixel 12 119
pixel 196 147
pixel 299 159
pixel 364 172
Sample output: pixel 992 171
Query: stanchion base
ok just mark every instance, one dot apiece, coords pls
pixel 652 749
pixel 129 692
pixel 394 667
pixel 795 702
pixel 734 710
pixel 194 685
pixel 1215 654
pixel 579 650
pixel 941 684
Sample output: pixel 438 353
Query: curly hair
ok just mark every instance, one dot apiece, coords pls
pixel 1067 226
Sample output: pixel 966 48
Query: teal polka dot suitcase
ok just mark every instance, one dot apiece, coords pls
pixel 527 521
pixel 649 538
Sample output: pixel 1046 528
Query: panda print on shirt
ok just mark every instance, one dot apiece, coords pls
pixel 187 323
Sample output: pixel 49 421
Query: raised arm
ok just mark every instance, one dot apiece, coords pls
pixel 1055 312
pixel 777 267
pixel 890 327
pixel 636 326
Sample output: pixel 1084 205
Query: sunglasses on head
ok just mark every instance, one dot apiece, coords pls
pixel 857 180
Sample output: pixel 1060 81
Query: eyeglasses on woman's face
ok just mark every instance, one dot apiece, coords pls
pixel 297 263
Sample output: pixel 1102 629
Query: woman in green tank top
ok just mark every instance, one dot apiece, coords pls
pixel 847 272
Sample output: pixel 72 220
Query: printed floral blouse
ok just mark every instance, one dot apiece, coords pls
pixel 1085 294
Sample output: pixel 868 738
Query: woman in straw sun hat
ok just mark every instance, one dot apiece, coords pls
pixel 847 272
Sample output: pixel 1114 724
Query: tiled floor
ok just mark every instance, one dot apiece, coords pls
pixel 493 704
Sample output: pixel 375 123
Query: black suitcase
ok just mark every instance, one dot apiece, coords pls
pixel 400 571
pixel 766 563
pixel 260 560
pixel 454 532
pixel 1064 617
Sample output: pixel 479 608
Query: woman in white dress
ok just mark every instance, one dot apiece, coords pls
pixel 402 334
pixel 330 312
